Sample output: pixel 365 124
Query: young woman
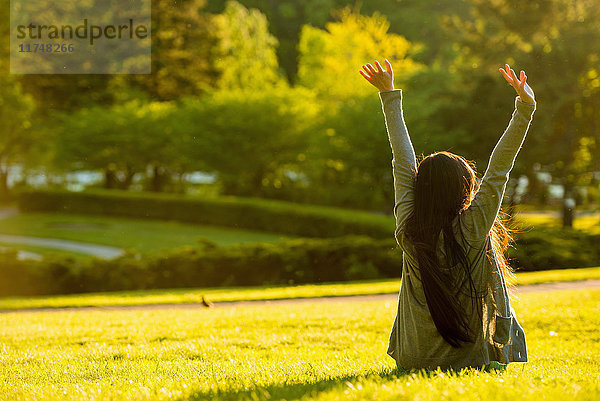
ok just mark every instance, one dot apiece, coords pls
pixel 453 309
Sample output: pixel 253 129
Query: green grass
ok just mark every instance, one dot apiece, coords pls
pixel 306 351
pixel 221 294
pixel 590 224
pixel 555 208
pixel 551 276
pixel 146 236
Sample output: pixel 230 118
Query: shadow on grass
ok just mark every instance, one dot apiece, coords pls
pixel 295 391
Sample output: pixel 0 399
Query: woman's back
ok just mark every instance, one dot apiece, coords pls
pixel 415 341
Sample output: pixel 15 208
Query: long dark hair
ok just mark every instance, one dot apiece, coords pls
pixel 444 187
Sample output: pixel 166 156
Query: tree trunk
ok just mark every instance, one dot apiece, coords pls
pixel 4 190
pixel 180 183
pixel 568 206
pixel 512 199
pixel 256 183
pixel 536 189
pixel 126 183
pixel 229 186
pixel 158 179
pixel 110 179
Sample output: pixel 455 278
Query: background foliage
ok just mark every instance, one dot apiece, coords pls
pixel 277 85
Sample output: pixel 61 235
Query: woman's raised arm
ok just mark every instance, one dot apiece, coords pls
pixel 486 204
pixel 404 164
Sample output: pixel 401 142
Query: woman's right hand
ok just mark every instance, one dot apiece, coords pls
pixel 520 84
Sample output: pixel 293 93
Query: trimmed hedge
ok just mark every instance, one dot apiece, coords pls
pixel 249 213
pixel 546 248
pixel 295 261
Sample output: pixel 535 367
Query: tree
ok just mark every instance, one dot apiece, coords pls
pixel 122 140
pixel 244 53
pixel 17 133
pixel 416 20
pixel 286 18
pixel 558 43
pixel 181 46
pixel 180 62
pixel 250 137
pixel 330 59
pixel 67 91
pixel 350 152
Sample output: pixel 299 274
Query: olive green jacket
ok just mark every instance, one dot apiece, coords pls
pixel 414 340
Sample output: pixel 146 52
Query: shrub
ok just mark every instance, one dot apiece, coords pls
pixel 555 248
pixel 295 261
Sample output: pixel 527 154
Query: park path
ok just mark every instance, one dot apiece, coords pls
pixel 101 251
pixel 392 297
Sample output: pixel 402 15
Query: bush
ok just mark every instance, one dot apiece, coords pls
pixel 554 248
pixel 294 261
pixel 249 213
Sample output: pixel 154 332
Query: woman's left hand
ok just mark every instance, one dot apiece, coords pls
pixel 523 89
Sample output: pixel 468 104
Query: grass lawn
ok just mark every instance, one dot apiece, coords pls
pixel 220 294
pixel 146 236
pixel 556 208
pixel 532 220
pixel 306 351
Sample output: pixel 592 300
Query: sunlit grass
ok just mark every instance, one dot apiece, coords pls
pixel 146 236
pixel 550 276
pixel 325 351
pixel 589 223
pixel 221 294
pixel 554 208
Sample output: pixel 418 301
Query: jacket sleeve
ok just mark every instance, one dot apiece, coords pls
pixel 403 156
pixel 480 215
